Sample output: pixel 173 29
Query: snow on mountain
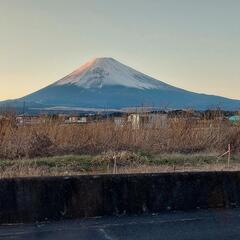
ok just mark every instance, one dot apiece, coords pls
pixel 101 72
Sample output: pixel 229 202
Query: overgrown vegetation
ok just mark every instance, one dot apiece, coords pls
pixel 53 138
pixel 126 162
pixel 95 146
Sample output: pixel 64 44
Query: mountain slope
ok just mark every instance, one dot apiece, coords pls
pixel 106 83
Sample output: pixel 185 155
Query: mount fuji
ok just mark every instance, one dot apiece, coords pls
pixel 107 83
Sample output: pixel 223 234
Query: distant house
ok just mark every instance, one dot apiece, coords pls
pixel 147 120
pixel 119 121
pixel 29 120
pixel 76 119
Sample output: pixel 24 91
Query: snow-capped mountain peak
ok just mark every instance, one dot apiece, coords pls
pixel 101 72
pixel 104 83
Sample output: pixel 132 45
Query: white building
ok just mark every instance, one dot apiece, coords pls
pixel 147 120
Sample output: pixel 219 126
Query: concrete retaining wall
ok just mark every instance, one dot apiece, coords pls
pixel 55 198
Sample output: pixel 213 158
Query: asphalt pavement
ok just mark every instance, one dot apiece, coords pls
pixel 202 224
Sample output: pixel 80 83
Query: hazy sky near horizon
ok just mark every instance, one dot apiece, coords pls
pixel 190 44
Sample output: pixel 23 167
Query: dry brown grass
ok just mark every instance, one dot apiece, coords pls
pixel 102 164
pixel 53 138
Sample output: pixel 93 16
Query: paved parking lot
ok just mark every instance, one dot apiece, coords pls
pixel 220 224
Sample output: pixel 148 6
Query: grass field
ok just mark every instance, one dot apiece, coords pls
pixel 126 162
pixel 53 148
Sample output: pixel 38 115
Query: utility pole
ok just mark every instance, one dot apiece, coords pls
pixel 23 110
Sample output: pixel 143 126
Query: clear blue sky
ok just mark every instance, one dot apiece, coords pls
pixel 191 44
